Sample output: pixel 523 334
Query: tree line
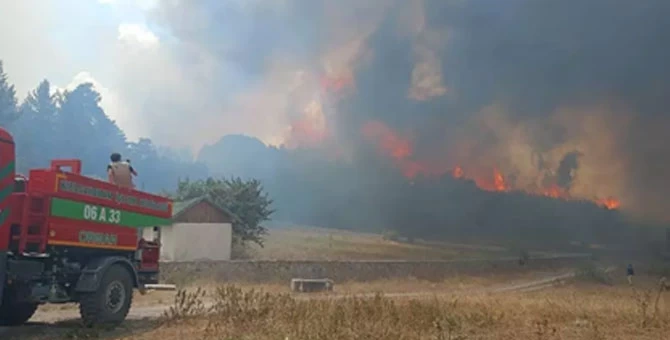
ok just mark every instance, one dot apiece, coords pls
pixel 50 124
pixel 306 188
pixel 369 193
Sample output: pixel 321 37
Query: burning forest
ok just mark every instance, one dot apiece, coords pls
pixel 538 101
pixel 400 149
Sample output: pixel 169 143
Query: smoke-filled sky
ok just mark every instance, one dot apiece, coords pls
pixel 554 95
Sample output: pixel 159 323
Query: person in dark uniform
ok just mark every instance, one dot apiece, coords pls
pixel 630 272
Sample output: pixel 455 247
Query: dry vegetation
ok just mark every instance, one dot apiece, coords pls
pixel 396 286
pixel 300 243
pixel 596 306
pixel 583 310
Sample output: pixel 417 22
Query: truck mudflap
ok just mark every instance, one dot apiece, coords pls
pixel 3 273
pixel 92 274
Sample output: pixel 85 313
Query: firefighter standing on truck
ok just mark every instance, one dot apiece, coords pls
pixel 120 172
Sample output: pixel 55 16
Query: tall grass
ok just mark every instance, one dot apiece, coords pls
pixel 567 313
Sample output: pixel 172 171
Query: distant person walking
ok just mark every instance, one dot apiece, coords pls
pixel 630 272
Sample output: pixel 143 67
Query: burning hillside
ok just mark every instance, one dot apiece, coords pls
pixel 400 149
pixel 494 153
pixel 551 99
pixel 491 166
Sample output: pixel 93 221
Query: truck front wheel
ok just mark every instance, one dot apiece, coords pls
pixel 109 305
pixel 14 311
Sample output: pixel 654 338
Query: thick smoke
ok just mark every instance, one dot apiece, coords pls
pixel 567 94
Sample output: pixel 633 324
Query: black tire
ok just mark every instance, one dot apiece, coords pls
pixel 13 312
pixel 109 305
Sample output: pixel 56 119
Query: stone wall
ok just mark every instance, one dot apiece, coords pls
pixel 341 271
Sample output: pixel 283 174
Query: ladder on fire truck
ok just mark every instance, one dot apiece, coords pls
pixel 33 229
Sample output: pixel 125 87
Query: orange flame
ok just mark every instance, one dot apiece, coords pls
pixel 457 172
pixel 387 140
pixel 492 181
pixel 610 203
pixel 391 144
pixel 499 181
pixel 310 129
pixel 555 191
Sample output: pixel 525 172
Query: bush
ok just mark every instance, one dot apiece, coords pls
pixel 186 305
pixel 245 199
pixel 590 272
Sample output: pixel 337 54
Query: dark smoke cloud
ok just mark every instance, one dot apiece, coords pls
pixel 566 168
pixel 515 81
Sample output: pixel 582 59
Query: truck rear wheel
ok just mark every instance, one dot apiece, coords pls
pixel 14 312
pixel 109 305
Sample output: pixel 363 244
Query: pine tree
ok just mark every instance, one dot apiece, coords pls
pixel 8 110
pixel 34 129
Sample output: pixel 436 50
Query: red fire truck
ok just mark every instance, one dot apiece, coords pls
pixel 68 238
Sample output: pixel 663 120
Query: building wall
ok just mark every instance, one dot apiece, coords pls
pixel 167 244
pixel 196 241
pixel 202 232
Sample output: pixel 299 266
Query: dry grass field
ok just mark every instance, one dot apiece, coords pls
pixel 397 286
pixel 463 307
pixel 300 243
pixel 581 309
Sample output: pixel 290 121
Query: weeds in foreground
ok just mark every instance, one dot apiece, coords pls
pixel 648 304
pixel 236 313
pixel 187 305
pixel 82 333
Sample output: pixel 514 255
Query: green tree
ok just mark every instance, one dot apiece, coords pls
pixel 35 129
pixel 84 130
pixel 244 198
pixel 8 110
pixel 156 170
pixel 72 124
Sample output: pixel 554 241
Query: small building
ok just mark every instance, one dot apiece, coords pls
pixel 201 230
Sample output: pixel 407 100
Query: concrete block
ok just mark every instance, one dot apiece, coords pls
pixel 160 287
pixel 311 285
